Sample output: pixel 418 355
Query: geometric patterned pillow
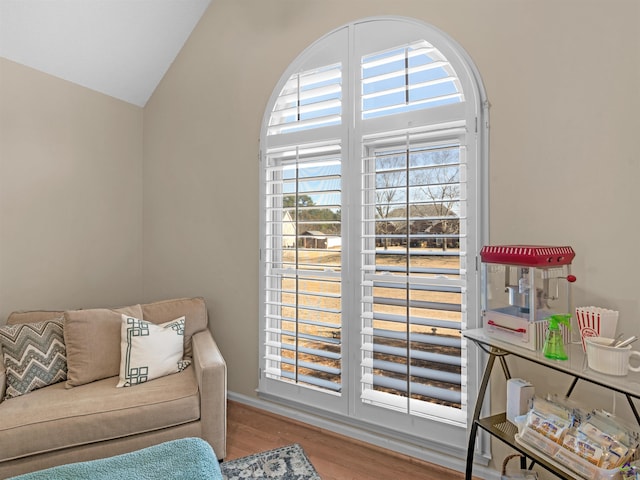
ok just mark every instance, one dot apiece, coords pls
pixel 149 351
pixel 34 355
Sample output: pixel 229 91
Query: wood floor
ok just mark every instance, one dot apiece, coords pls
pixel 251 430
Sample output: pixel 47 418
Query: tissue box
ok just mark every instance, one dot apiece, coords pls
pixel 519 395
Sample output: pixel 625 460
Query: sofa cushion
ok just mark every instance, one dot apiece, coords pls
pixel 33 316
pixel 54 418
pixel 149 351
pixel 34 356
pixel 92 338
pixel 193 309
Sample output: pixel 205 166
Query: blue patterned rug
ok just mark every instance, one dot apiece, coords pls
pixel 285 463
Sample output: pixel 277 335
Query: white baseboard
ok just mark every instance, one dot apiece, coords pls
pixel 451 462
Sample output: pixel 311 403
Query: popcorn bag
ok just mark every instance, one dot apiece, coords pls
pixel 596 322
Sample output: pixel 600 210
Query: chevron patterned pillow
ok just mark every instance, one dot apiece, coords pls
pixel 34 355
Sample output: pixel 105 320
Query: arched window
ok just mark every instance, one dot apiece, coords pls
pixel 373 163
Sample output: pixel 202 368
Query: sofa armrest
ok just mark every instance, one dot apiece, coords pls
pixel 211 374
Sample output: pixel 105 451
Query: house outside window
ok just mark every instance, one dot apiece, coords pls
pixel 373 212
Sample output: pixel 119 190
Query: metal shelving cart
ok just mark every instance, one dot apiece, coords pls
pixel 575 368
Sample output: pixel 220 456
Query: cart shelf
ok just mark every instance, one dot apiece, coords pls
pixel 575 368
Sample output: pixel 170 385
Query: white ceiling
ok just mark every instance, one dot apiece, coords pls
pixel 121 48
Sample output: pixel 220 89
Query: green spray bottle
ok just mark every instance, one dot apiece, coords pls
pixel 554 344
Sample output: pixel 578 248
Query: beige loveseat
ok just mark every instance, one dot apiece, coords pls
pixel 86 417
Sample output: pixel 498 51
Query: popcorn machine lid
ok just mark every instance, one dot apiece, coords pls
pixel 527 255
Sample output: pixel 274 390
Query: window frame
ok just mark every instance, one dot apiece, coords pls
pixel 336 407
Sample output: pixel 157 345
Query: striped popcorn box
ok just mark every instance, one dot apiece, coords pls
pixel 596 322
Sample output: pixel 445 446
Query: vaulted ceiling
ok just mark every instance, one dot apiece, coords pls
pixel 121 48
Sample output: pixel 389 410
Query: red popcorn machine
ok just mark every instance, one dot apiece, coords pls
pixel 524 285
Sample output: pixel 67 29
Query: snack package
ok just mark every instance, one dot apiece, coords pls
pixel 550 426
pixel 550 418
pixel 618 442
pixel 584 447
pixel 563 430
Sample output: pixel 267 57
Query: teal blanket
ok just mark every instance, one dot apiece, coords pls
pixel 184 459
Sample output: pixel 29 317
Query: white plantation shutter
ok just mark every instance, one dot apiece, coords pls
pixel 370 203
pixel 410 77
pixel 303 265
pixel 414 271
pixel 309 99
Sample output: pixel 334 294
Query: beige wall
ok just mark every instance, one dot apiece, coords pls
pixel 562 78
pixel 70 195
